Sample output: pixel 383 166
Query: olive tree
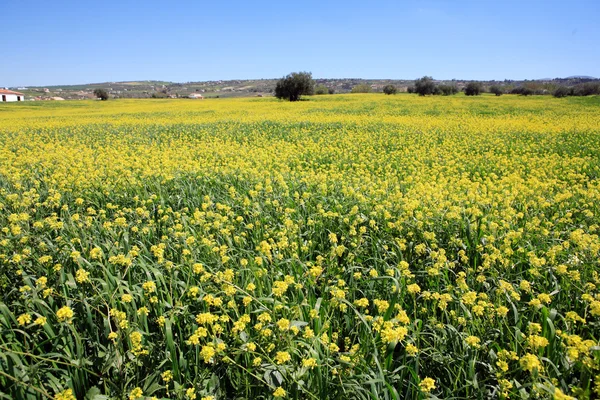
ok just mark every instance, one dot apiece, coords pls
pixel 425 86
pixel 294 85
pixel 390 89
pixel 473 89
pixel 102 94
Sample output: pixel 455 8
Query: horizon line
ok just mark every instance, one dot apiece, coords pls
pixel 266 79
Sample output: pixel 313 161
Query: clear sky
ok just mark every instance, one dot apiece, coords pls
pixel 46 42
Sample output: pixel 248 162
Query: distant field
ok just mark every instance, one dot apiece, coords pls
pixel 347 246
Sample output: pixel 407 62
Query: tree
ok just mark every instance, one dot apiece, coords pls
pixel 321 89
pixel 294 85
pixel 361 88
pixel 522 90
pixel 390 89
pixel 102 94
pixel 497 90
pixel 586 89
pixel 425 86
pixel 331 90
pixel 473 89
pixel 562 91
pixel 448 90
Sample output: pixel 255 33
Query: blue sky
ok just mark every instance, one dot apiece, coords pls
pixel 45 42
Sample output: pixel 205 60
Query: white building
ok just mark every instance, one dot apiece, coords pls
pixel 196 96
pixel 9 95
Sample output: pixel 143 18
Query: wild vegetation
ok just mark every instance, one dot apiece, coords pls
pixel 294 85
pixel 349 246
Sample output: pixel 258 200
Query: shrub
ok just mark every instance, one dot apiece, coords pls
pixel 102 94
pixel 562 91
pixel 473 89
pixel 497 90
pixel 448 90
pixel 331 90
pixel 294 85
pixel 526 91
pixel 586 89
pixel 390 89
pixel 425 86
pixel 321 89
pixel 361 88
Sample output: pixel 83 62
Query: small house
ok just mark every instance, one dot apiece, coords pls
pixel 196 96
pixel 9 95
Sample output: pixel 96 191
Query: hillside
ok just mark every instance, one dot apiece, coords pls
pixel 248 88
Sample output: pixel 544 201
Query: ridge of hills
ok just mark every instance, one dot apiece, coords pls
pixel 251 87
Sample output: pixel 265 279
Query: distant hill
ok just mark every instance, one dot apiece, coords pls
pixel 253 87
pixel 581 77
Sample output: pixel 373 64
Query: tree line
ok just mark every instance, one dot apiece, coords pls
pixel 297 84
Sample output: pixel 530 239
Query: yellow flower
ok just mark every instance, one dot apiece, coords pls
pixel 411 349
pixel 283 324
pixel 282 357
pixel 136 393
pixel 149 287
pixel 364 302
pixel 473 341
pixel 65 314
pixel 96 253
pixel 413 288
pixel 309 363
pixel 207 353
pixel 167 376
pixel 40 321
pixel 427 385
pixel 24 319
pixel 536 341
pixel 559 395
pixel 531 363
pixel 65 395
pixel 279 392
pixel 191 393
pixel 42 281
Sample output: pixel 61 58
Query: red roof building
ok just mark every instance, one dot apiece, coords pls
pixel 10 95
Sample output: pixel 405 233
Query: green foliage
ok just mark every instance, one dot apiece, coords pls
pixel 322 89
pixel 473 89
pixel 390 89
pixel 295 85
pixel 447 90
pixel 497 90
pixel 102 94
pixel 562 91
pixel 425 86
pixel 523 91
pixel 586 89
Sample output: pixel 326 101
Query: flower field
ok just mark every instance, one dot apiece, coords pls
pixel 351 246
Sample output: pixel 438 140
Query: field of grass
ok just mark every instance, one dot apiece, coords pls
pixel 352 246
